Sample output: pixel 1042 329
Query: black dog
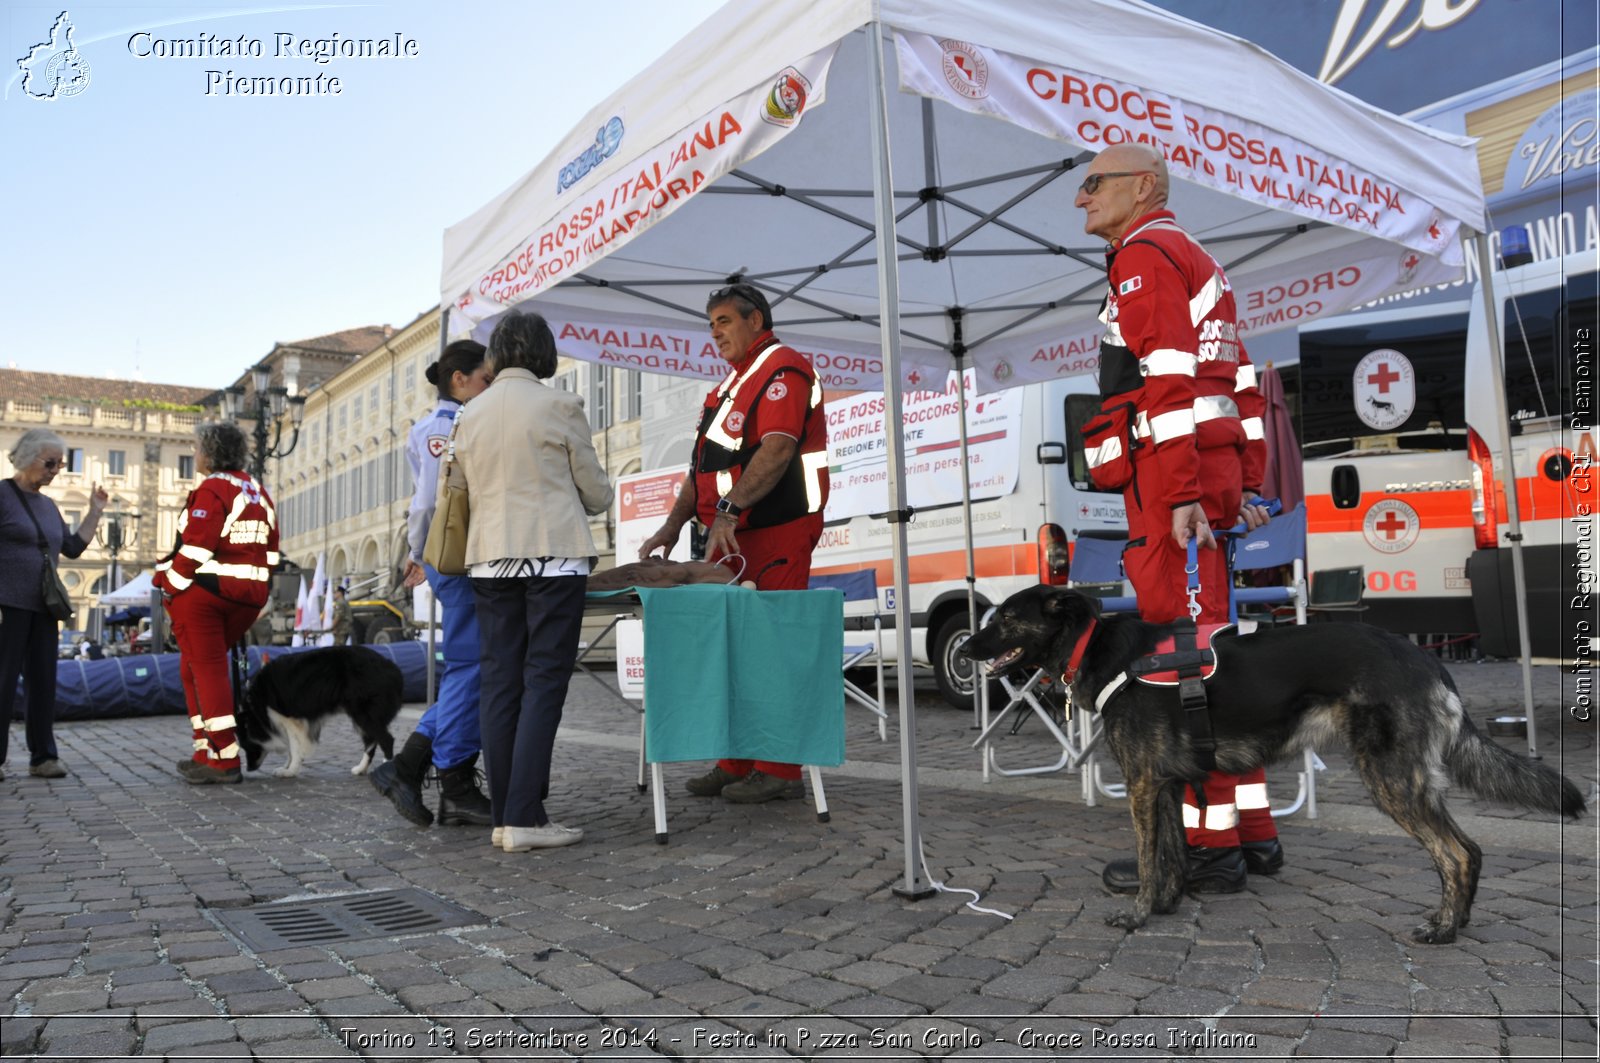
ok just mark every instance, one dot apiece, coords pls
pixel 294 693
pixel 1276 693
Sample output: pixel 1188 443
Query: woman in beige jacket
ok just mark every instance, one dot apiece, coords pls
pixel 533 478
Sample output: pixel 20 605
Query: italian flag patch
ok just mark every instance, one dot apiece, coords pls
pixel 1128 286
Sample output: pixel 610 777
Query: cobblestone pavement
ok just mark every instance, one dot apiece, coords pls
pixel 759 933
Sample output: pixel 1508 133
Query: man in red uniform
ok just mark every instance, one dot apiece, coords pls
pixel 1172 350
pixel 759 481
pixel 216 580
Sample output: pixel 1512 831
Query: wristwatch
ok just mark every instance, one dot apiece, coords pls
pixel 728 509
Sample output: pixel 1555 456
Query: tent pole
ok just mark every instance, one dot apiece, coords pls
pixel 978 718
pixel 915 886
pixel 434 617
pixel 1480 242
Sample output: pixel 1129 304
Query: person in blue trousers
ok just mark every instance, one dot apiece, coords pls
pixel 447 735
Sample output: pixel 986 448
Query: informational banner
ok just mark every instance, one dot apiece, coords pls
pixel 930 424
pixel 590 219
pixel 1211 148
pixel 1289 295
pixel 643 501
pixel 687 350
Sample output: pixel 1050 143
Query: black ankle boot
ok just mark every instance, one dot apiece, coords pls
pixel 400 779
pixel 461 803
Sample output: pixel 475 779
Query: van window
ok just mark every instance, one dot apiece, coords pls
pixel 1080 410
pixel 1539 330
pixel 1435 346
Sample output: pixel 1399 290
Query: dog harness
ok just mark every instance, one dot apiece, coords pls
pixel 1186 660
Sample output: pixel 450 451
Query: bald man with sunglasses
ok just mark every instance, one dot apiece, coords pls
pixel 1172 359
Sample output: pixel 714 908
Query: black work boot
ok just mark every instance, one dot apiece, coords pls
pixel 1208 871
pixel 461 803
pixel 400 779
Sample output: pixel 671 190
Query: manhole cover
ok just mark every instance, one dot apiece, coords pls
pixel 348 917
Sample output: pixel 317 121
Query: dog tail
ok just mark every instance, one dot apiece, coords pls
pixel 1496 774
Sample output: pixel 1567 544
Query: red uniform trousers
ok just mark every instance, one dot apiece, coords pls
pixel 205 627
pixel 777 559
pixel 1236 806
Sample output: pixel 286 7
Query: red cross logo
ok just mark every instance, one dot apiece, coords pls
pixel 914 378
pixel 1392 525
pixel 1433 230
pixel 1410 262
pixel 1383 377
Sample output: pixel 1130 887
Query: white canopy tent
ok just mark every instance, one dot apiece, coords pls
pixel 136 591
pixel 767 147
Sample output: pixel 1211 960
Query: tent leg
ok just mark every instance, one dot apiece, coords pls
pixel 1519 580
pixel 915 885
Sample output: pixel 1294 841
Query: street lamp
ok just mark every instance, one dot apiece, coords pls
pixel 114 535
pixel 269 403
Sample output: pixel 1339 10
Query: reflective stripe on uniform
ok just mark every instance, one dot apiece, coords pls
pixel 1253 428
pixel 1167 362
pixel 1218 817
pixel 196 553
pixel 728 391
pixel 810 463
pixel 1110 450
pixel 1212 407
pixel 1244 377
pixel 228 753
pixel 1206 299
pixel 253 573
pixel 1164 426
pixel 219 723
pixel 1248 796
pixel 177 581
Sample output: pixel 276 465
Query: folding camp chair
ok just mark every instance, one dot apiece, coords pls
pixel 860 651
pixel 1096 569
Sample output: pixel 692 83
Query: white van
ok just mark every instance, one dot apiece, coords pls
pixel 1028 505
pixel 1401 443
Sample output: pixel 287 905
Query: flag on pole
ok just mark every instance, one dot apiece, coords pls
pixel 319 587
pixel 326 638
pixel 299 615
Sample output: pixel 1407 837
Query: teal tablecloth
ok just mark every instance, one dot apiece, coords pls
pixel 732 672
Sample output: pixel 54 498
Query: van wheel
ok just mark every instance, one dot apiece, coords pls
pixel 952 672
pixel 384 636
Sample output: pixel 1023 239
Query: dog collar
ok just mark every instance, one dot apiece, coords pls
pixel 1077 653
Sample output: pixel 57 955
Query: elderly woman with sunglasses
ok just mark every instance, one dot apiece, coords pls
pixel 33 534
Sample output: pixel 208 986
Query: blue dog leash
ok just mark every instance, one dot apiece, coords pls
pixel 1192 569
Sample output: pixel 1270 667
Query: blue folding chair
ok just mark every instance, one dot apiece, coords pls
pixel 859 651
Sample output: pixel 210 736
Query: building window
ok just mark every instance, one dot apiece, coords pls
pixel 408 377
pixel 632 394
pixel 186 466
pixel 117 462
pixel 567 381
pixel 74 459
pixel 355 414
pixel 372 398
pixel 599 397
pixel 344 416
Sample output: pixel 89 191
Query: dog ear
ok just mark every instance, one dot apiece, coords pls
pixel 1071 608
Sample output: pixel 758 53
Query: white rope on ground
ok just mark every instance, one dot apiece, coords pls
pixel 942 888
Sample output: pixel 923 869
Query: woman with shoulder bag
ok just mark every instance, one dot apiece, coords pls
pixel 526 453
pixel 33 537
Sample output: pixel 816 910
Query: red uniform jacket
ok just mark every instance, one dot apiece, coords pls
pixel 227 541
pixel 774 390
pixel 1172 348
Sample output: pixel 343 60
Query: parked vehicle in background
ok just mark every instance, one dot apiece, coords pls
pixel 70 640
pixel 1405 472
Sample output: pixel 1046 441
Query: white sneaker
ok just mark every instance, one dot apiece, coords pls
pixel 549 836
pixel 495 836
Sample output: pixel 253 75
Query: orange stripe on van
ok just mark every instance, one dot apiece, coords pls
pixel 1017 559
pixel 1436 509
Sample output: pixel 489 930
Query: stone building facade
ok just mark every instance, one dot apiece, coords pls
pixel 136 439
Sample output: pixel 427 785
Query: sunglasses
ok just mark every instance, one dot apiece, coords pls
pixel 1091 184
pixel 52 463
pixel 747 292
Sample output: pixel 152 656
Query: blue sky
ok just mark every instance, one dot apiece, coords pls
pixel 155 232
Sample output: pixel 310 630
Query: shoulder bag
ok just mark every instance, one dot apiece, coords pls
pixel 446 545
pixel 57 602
